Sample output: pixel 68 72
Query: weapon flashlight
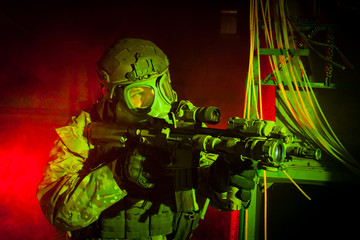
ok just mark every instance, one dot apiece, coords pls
pixel 270 150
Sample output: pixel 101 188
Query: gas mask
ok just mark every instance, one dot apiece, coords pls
pixel 135 79
pixel 150 98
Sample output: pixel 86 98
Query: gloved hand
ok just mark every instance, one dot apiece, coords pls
pixel 227 171
pixel 134 169
pixel 145 166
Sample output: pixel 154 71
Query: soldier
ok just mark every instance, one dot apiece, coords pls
pixel 98 191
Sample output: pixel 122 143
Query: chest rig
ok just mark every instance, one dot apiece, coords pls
pixel 150 207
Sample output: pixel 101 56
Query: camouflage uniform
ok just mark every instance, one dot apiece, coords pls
pixel 72 198
pixel 82 189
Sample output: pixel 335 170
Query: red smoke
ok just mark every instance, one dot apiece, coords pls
pixel 23 152
pixel 47 74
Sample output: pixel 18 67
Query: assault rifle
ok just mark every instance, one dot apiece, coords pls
pixel 186 136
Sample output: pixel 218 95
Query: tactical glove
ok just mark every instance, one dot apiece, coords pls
pixel 134 169
pixel 146 166
pixel 226 172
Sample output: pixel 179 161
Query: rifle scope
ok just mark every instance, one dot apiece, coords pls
pixel 210 115
pixel 185 111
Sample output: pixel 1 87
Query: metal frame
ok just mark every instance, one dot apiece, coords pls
pixel 302 171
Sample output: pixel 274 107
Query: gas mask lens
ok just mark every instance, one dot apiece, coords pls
pixel 166 89
pixel 141 97
pixel 152 96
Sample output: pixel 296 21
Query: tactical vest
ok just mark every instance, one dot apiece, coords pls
pixel 131 218
pixel 143 212
pixel 139 221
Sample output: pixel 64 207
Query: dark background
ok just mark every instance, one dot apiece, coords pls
pixel 48 52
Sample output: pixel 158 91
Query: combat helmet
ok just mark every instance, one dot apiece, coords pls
pixel 135 74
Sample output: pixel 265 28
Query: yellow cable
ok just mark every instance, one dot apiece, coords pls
pixel 248 89
pixel 257 39
pixel 246 225
pixel 246 99
pixel 265 206
pixel 254 97
pixel 250 92
pixel 298 187
pixel 305 109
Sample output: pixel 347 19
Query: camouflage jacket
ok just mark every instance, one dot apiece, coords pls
pixel 71 199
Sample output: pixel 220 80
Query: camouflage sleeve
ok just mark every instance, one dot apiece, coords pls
pixel 69 198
